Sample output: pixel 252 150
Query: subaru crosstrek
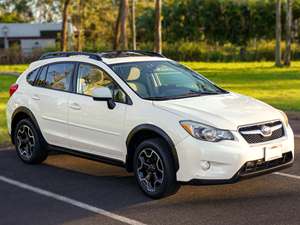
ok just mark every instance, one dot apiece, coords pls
pixel 155 117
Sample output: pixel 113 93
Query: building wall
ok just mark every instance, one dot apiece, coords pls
pixel 28 45
pixel 29 35
pixel 28 29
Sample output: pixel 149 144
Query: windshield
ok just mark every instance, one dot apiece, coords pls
pixel 159 80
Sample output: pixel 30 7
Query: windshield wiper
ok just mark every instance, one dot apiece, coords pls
pixel 191 93
pixel 205 92
pixel 159 98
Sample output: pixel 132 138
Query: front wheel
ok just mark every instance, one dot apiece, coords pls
pixel 154 169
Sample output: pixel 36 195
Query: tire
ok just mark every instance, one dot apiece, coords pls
pixel 154 169
pixel 30 145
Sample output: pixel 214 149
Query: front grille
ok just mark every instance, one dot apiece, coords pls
pixel 253 133
pixel 255 166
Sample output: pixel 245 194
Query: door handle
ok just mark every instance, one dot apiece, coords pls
pixel 75 106
pixel 36 97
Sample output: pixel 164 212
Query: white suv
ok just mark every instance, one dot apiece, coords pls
pixel 149 114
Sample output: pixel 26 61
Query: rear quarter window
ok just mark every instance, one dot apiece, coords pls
pixel 31 77
pixel 41 80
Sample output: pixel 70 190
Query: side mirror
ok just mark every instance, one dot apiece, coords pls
pixel 104 94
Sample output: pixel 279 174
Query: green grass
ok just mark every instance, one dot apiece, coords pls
pixel 279 87
pixel 5 82
pixel 13 68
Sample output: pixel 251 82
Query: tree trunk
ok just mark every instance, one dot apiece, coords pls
pixel 117 28
pixel 133 28
pixel 158 38
pixel 79 27
pixel 278 33
pixel 64 32
pixel 288 33
pixel 123 37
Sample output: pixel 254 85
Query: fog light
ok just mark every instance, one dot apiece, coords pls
pixel 250 164
pixel 205 165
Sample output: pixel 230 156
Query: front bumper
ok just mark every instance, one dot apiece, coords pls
pixel 228 159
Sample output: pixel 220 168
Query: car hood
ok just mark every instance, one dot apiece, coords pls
pixel 224 111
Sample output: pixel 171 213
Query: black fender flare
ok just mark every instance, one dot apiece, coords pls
pixel 29 113
pixel 160 132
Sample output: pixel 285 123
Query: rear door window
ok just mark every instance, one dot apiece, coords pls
pixel 59 76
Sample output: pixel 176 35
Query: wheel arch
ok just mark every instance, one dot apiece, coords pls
pixel 19 114
pixel 143 132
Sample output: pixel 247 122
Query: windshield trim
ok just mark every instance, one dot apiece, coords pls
pixel 222 91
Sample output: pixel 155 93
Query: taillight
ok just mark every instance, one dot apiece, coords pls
pixel 13 89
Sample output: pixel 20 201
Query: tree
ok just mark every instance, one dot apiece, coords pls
pixel 12 11
pixel 288 33
pixel 157 33
pixel 121 25
pixel 48 10
pixel 117 27
pixel 278 34
pixel 123 36
pixel 64 32
pixel 133 27
pixel 80 13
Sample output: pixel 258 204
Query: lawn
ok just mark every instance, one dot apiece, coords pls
pixel 5 82
pixel 279 87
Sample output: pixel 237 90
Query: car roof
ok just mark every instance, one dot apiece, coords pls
pixel 132 59
pixel 111 57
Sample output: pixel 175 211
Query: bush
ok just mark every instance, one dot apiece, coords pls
pixel 180 51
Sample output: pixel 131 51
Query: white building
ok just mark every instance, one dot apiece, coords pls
pixel 29 35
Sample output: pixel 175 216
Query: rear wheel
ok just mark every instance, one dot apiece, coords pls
pixel 154 169
pixel 30 146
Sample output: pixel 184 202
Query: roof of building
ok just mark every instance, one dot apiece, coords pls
pixel 27 29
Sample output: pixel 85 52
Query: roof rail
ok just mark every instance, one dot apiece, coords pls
pixel 50 55
pixel 149 53
pixel 100 55
pixel 125 53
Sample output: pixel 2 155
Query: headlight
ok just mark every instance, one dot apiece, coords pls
pixel 205 132
pixel 285 118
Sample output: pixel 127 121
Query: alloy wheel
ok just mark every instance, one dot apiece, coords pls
pixel 150 170
pixel 25 141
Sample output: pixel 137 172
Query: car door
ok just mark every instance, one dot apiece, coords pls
pixel 93 127
pixel 50 101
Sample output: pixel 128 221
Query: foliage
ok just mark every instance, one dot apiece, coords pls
pixel 215 21
pixel 15 11
pixel 206 30
pixel 202 51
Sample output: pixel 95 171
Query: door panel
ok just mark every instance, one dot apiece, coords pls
pixel 53 111
pixel 51 98
pixel 93 127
